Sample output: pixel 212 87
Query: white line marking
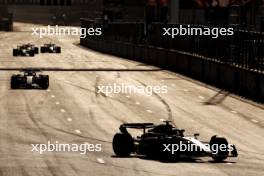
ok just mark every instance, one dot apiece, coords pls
pixel 63 110
pixel 149 111
pixel 138 103
pixel 234 112
pixel 78 131
pixel 100 160
pixel 229 163
pixel 52 96
pixel 254 121
pixel 201 97
pixel 57 103
pixel 69 119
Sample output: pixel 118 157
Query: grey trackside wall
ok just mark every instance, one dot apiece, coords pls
pixel 246 83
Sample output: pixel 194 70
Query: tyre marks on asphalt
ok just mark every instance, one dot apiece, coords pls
pixel 57 102
pixel 254 121
pixel 232 111
pixel 77 131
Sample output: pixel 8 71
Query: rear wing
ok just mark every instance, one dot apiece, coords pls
pixel 144 126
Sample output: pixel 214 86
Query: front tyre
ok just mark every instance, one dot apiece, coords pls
pixel 58 50
pixel 44 82
pixel 219 146
pixel 42 49
pixel 123 144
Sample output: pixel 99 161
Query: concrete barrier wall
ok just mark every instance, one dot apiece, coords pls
pixel 162 57
pixel 211 73
pixel 261 86
pixel 196 67
pixel 227 77
pixel 243 82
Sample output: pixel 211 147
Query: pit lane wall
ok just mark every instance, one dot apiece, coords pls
pixel 246 82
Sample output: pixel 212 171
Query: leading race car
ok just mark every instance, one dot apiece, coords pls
pixel 29 79
pixel 165 141
pixel 50 48
pixel 26 50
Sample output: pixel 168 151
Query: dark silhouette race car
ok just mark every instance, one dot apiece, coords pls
pixel 29 80
pixel 165 141
pixel 26 50
pixel 50 48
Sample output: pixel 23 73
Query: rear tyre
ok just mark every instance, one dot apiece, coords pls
pixel 219 145
pixel 14 83
pixel 168 155
pixel 42 49
pixel 15 52
pixel 36 50
pixel 123 144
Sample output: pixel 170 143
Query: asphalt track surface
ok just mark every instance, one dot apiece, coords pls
pixel 72 111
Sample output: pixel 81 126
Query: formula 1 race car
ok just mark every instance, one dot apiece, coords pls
pixel 29 79
pixel 26 50
pixel 165 141
pixel 50 48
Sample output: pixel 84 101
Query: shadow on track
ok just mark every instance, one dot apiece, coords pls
pixel 218 98
pixel 179 160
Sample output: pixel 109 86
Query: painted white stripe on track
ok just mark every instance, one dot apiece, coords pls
pixel 254 121
pixel 100 160
pixel 78 131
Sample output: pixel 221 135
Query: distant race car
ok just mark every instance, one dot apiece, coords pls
pixel 26 50
pixel 165 141
pixel 29 79
pixel 50 48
